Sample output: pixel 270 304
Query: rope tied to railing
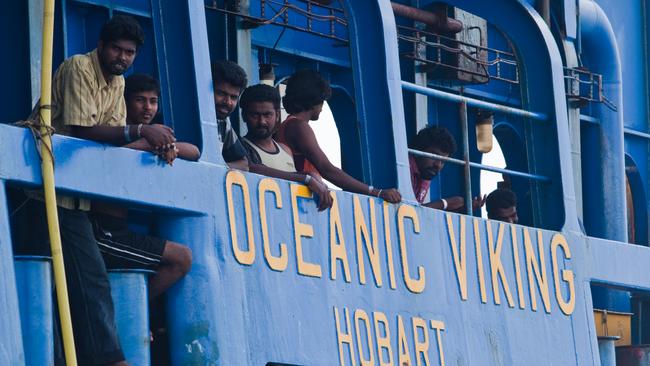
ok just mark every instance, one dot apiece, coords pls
pixel 39 131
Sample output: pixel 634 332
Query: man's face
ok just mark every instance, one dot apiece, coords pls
pixel 116 57
pixel 141 107
pixel 225 99
pixel 261 118
pixel 429 168
pixel 508 215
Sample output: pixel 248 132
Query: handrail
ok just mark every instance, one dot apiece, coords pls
pixel 480 166
pixel 632 132
pixel 47 169
pixel 466 163
pixel 472 102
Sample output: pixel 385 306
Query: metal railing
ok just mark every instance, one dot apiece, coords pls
pixel 480 166
pixel 464 103
pixel 472 102
pixel 303 18
pixel 495 64
pixel 584 86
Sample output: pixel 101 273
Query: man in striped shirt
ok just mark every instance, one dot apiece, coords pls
pixel 88 102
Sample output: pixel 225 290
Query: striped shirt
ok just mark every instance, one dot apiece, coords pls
pixel 82 97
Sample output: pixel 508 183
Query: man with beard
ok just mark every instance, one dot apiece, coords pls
pixel 228 80
pixel 438 141
pixel 88 102
pixel 260 106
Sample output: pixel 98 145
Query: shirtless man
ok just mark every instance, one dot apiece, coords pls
pixel 306 92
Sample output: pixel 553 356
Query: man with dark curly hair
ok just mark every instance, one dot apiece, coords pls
pixel 501 205
pixel 260 105
pixel 306 92
pixel 229 80
pixel 434 140
pixel 88 102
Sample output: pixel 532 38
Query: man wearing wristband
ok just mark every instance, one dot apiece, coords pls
pixel 438 141
pixel 88 102
pixel 141 94
pixel 305 95
pixel 260 106
pixel 120 247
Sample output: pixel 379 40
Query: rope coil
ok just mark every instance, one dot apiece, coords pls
pixel 39 130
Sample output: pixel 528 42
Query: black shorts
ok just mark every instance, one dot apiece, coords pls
pixel 123 248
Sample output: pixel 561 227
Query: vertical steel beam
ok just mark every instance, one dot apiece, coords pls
pixel 466 171
pixel 35 43
pixel 375 63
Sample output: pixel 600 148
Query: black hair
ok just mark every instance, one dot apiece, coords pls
pixel 438 137
pixel 137 83
pixel 500 198
pixel 229 72
pixel 305 89
pixel 122 27
pixel 260 93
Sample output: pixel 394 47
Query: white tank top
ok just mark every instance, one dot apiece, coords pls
pixel 280 160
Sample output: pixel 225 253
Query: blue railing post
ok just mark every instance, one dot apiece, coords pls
pixel 466 166
pixel 34 285
pixel 129 292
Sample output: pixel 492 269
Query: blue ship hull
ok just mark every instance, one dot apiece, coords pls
pixel 274 281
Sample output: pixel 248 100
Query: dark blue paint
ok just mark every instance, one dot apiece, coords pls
pixel 14 35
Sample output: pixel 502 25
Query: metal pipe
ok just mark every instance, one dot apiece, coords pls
pixel 629 131
pixel 129 294
pixel 47 170
pixel 472 102
pixel 489 168
pixel 607 350
pixel 600 52
pixel 439 22
pixel 466 172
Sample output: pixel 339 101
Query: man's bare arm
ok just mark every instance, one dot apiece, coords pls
pixel 186 150
pixel 303 137
pixel 109 134
pixel 325 200
pixel 156 135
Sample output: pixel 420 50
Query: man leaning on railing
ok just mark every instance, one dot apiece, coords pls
pixel 438 141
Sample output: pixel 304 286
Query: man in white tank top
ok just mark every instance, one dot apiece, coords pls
pixel 260 105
